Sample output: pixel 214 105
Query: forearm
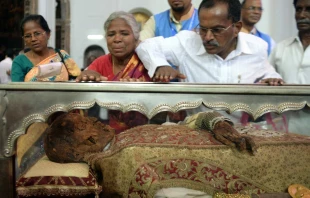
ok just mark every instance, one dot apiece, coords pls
pixel 151 54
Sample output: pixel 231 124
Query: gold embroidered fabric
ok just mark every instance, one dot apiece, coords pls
pixel 144 159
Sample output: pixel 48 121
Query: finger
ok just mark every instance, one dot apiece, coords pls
pixel 250 144
pixel 181 76
pixel 103 78
pixel 97 79
pixel 91 77
pixel 241 145
pixel 78 79
pixel 223 140
pixel 85 78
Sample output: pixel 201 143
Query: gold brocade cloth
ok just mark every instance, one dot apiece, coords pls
pixel 144 159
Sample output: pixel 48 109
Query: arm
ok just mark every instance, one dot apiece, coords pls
pixel 148 30
pixel 156 52
pixel 222 129
pixel 17 72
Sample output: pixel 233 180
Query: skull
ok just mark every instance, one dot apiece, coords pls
pixel 72 135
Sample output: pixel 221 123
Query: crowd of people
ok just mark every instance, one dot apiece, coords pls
pixel 217 42
pixel 179 37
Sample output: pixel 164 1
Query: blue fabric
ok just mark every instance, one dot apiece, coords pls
pixel 266 38
pixel 166 28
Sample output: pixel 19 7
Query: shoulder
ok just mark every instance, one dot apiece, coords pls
pixel 20 58
pixel 287 41
pixel 253 42
pixel 188 35
pixel 162 13
pixel 103 58
pixel 100 61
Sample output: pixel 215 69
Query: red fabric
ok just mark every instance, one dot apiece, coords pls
pixel 134 69
pixel 53 185
pixel 104 66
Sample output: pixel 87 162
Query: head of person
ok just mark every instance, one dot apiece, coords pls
pixel 10 53
pixel 35 32
pixel 71 136
pixel 180 5
pixel 122 34
pixel 91 59
pixel 302 15
pixel 219 25
pixel 251 11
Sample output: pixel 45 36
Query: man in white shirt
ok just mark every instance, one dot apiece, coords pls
pixel 5 67
pixel 251 13
pixel 217 54
pixel 291 57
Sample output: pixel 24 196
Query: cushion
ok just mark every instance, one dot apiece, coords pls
pixel 47 178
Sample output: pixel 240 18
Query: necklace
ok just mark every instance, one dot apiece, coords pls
pixel 116 69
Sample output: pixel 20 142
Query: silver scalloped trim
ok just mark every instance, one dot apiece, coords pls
pixel 220 106
pixel 123 108
pixel 140 108
pixel 287 106
pixel 8 151
pixel 179 106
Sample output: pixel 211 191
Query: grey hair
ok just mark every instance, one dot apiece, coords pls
pixel 129 19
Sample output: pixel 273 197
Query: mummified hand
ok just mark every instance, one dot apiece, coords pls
pixel 228 135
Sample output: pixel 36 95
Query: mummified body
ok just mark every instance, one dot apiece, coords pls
pixel 72 135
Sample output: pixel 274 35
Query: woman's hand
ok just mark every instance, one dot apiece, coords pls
pixel 90 75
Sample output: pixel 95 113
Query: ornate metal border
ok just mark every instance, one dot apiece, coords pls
pixel 266 108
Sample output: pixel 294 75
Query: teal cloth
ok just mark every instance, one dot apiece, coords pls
pixel 20 67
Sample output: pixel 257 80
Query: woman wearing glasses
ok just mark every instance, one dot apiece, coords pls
pixel 26 66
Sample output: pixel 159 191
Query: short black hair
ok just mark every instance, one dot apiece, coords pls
pixel 234 8
pixel 242 3
pixel 37 18
pixel 10 53
pixel 295 3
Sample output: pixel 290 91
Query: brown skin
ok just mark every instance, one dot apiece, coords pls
pixel 250 17
pixel 302 16
pixel 180 7
pixel 121 44
pixel 38 45
pixel 227 134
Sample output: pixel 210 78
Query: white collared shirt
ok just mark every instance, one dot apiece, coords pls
pixel 246 64
pixel 291 60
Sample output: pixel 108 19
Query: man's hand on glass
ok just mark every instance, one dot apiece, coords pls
pixel 167 73
pixel 273 81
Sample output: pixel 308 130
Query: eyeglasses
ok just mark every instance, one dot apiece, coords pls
pixel 35 35
pixel 253 8
pixel 301 9
pixel 215 31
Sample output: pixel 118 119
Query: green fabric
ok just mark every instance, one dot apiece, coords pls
pixel 20 67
